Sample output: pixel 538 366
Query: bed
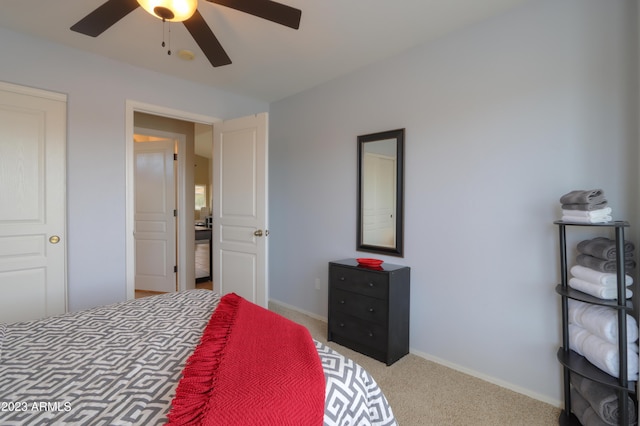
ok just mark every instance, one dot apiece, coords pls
pixel 123 365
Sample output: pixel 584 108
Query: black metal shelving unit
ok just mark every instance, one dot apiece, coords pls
pixel 570 360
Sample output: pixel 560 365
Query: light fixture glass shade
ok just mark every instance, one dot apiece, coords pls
pixel 170 10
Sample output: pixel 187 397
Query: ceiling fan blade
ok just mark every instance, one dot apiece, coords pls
pixel 104 17
pixel 266 9
pixel 207 41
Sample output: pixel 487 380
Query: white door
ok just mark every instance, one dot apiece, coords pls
pixel 240 208
pixel 155 221
pixel 32 203
pixel 379 195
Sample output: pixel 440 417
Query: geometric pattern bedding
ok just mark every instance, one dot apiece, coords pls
pixel 120 365
pixel 352 396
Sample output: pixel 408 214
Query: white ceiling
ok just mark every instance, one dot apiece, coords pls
pixel 270 61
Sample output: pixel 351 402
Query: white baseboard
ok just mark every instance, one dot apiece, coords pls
pixel 294 308
pixel 498 382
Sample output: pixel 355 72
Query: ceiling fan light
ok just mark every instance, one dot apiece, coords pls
pixel 170 10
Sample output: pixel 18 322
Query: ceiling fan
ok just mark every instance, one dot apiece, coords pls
pixel 112 11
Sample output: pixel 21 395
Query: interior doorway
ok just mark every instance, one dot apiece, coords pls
pixel 189 125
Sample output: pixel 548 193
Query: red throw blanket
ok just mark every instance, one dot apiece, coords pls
pixel 252 367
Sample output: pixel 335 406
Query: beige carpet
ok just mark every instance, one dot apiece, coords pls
pixel 423 393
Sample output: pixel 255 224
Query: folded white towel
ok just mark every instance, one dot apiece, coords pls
pixel 602 354
pixel 582 219
pixel 601 321
pixel 606 279
pixel 588 213
pixel 597 290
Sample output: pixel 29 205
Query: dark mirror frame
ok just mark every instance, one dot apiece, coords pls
pixel 398 250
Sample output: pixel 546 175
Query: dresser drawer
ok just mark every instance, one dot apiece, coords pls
pixel 364 307
pixel 359 281
pixel 357 330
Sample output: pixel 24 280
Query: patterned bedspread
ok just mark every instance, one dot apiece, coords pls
pixel 120 365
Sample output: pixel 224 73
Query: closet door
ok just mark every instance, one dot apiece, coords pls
pixel 32 210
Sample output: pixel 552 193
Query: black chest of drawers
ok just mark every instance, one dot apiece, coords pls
pixel 369 309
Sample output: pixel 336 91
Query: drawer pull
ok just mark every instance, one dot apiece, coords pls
pixel 371 334
pixel 342 324
pixel 371 310
pixel 342 301
pixel 341 278
pixel 371 284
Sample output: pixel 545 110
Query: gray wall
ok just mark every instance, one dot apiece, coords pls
pixel 501 119
pixel 97 90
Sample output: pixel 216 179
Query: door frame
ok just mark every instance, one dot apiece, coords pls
pixel 186 275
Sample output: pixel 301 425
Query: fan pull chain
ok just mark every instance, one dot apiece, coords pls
pixel 163 21
pixel 169 49
pixel 169 36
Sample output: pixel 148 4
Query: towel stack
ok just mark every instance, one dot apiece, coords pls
pixel 599 255
pixel 593 333
pixel 585 206
pixel 595 404
pixel 593 329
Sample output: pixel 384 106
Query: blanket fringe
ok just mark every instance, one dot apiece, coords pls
pixel 199 375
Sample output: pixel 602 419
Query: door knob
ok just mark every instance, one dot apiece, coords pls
pixel 54 239
pixel 258 233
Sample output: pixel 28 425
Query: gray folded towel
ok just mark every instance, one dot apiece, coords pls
pixel 580 196
pixel 602 399
pixel 603 265
pixel 604 248
pixel 585 206
pixel 583 411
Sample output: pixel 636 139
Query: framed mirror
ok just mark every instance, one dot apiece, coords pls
pixel 380 224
